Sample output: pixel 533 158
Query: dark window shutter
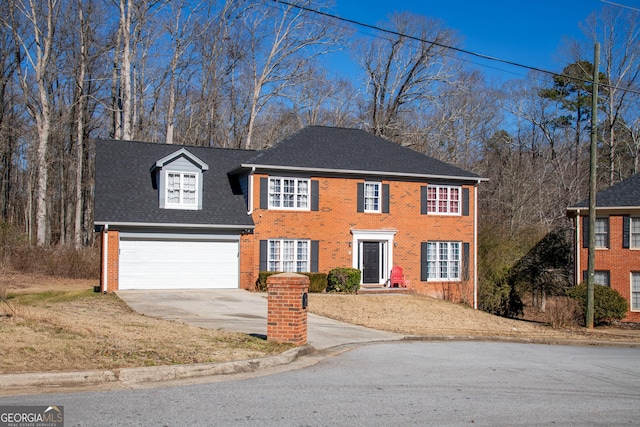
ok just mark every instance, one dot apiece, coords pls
pixel 264 193
pixel 465 202
pixel 423 200
pixel 585 231
pixel 626 231
pixel 361 197
pixel 465 261
pixel 608 278
pixel 385 198
pixel 315 187
pixel 608 233
pixel 263 255
pixel 584 275
pixel 424 275
pixel 315 249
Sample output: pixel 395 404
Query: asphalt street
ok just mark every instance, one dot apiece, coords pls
pixel 393 383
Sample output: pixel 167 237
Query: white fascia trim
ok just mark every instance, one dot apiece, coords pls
pixel 174 225
pixel 604 208
pixel 362 172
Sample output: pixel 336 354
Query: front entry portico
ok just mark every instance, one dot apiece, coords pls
pixel 373 254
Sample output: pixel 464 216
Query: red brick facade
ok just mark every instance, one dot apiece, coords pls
pixel 286 314
pixel 333 223
pixel 620 262
pixel 109 278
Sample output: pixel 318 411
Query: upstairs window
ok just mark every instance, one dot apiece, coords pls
pixel 289 193
pixel 372 197
pixel 602 232
pixel 179 179
pixel 635 232
pixel 443 200
pixel 181 190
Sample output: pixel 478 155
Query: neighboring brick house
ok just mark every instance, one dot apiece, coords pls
pixel 198 217
pixel 617 257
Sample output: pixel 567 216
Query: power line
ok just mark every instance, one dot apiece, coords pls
pixel 453 48
pixel 621 5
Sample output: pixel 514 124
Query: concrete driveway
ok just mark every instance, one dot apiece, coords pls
pixel 241 311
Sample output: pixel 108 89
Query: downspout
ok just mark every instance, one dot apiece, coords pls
pixel 105 258
pixel 475 246
pixel 250 195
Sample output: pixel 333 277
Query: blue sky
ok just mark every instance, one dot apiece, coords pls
pixel 527 32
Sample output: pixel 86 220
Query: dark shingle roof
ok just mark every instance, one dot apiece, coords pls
pixel 341 149
pixel 623 194
pixel 125 192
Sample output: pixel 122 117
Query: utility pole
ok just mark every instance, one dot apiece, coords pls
pixel 592 189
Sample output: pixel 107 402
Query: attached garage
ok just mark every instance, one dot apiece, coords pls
pixel 178 263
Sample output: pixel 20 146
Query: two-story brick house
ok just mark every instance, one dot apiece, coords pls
pixel 617 257
pixel 198 217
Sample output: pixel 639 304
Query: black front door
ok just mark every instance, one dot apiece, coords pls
pixel 370 262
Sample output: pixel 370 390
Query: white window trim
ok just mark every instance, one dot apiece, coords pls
pixel 378 197
pixel 181 204
pixel 437 200
pixel 280 261
pixel 631 292
pixel 296 193
pixel 437 262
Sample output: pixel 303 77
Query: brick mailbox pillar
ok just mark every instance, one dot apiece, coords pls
pixel 287 308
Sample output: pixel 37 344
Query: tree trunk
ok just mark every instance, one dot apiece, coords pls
pixel 78 214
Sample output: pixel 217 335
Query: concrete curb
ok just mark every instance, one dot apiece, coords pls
pixel 148 374
pixel 520 340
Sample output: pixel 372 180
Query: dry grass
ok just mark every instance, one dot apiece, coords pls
pixel 51 324
pixel 429 317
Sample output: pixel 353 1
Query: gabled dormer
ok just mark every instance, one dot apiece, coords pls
pixel 178 178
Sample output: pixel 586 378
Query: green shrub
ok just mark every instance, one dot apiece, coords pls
pixel 608 304
pixel 343 280
pixel 261 282
pixel 317 281
pixel 500 298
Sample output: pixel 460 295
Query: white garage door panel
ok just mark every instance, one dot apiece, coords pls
pixel 178 264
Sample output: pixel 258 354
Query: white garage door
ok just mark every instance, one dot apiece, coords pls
pixel 178 264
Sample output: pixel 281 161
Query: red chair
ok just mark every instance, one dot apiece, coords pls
pixel 397 277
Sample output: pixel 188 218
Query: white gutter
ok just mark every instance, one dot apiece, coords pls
pixel 358 172
pixel 250 196
pixel 165 225
pixel 601 209
pixel 105 258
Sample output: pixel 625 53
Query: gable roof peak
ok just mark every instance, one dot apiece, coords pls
pixel 183 152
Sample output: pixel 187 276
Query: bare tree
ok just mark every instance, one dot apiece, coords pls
pixel 36 45
pixel 460 122
pixel 182 30
pixel 402 72
pixel 617 30
pixel 282 42
pixel 8 67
